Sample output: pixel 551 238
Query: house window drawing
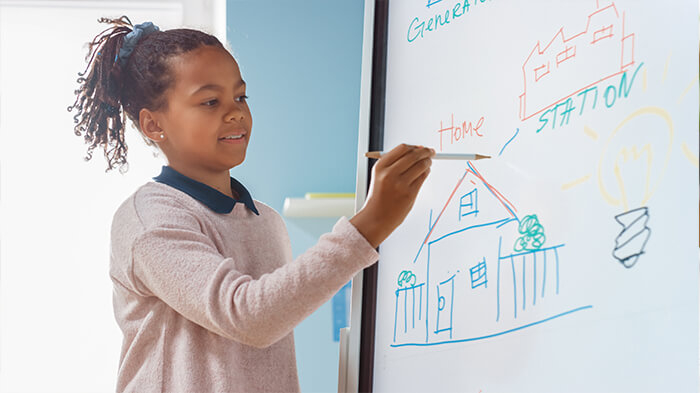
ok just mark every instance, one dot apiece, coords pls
pixel 541 71
pixel 468 204
pixel 566 54
pixel 443 287
pixel 605 32
pixel 478 274
pixel 602 50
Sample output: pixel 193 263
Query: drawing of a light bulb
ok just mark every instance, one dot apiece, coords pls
pixel 633 163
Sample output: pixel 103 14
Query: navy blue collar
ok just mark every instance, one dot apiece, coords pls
pixel 209 196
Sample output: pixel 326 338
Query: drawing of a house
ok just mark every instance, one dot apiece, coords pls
pixel 466 268
pixel 571 62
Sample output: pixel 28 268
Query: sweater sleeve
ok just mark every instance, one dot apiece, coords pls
pixel 183 268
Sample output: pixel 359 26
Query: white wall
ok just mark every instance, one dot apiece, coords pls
pixel 57 328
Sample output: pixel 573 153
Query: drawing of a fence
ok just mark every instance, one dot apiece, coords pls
pixel 526 277
pixel 409 310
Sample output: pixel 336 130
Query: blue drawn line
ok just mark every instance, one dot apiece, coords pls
pixel 491 191
pixel 420 303
pixel 419 250
pixel 432 2
pixel 441 308
pixel 396 313
pixel 452 305
pixel 427 293
pixel 413 309
pixel 544 274
pixel 556 255
pixel 495 334
pixel 477 274
pixel 404 312
pixel 498 282
pixel 472 205
pixel 534 251
pixel 509 140
pixel 509 220
pixel 534 279
pixel 430 228
pixel 405 306
pixel 523 282
pixel 515 292
pixel 468 228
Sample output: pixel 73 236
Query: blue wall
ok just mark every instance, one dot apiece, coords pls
pixel 301 61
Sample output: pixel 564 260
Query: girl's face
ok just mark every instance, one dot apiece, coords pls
pixel 206 104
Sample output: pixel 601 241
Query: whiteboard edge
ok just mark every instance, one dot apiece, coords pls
pixel 352 360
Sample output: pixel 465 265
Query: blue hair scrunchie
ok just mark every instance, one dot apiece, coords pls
pixel 131 39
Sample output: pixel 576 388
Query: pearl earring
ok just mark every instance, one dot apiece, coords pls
pixel 162 136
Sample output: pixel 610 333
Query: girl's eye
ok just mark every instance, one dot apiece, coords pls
pixel 242 98
pixel 209 103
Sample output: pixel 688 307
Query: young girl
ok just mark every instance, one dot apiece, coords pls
pixel 205 288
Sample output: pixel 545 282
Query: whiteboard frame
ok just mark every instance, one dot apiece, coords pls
pixel 358 341
pixel 359 360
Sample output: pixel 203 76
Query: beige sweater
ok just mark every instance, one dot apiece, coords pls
pixel 208 302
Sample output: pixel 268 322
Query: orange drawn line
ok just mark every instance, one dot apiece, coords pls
pixel 478 175
pixel 499 196
pixel 444 207
pixel 576 92
pixel 540 50
pixel 565 52
pixel 625 38
pixel 605 32
pixel 539 76
pixel 561 31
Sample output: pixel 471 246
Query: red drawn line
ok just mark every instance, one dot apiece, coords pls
pixel 624 38
pixel 538 74
pixel 565 40
pixel 606 32
pixel 499 196
pixel 444 207
pixel 569 53
pixel 476 173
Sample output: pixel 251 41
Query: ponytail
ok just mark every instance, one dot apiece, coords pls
pixel 123 77
pixel 99 118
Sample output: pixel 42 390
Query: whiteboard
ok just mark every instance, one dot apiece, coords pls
pixel 568 262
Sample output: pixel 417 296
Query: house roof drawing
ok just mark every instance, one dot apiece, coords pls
pixel 447 223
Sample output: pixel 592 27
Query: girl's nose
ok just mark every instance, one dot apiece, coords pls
pixel 235 113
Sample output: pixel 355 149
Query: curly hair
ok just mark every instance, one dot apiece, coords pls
pixel 112 90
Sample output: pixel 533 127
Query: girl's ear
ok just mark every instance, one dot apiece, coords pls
pixel 149 125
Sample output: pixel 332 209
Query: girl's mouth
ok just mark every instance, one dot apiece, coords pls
pixel 239 138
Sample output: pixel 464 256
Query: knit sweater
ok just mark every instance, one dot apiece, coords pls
pixel 207 301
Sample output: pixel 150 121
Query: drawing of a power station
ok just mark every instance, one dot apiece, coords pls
pixel 477 262
pixel 602 50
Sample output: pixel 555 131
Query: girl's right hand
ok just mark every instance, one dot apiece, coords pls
pixel 396 179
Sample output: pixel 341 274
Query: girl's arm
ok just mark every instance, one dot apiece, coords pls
pixel 181 266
